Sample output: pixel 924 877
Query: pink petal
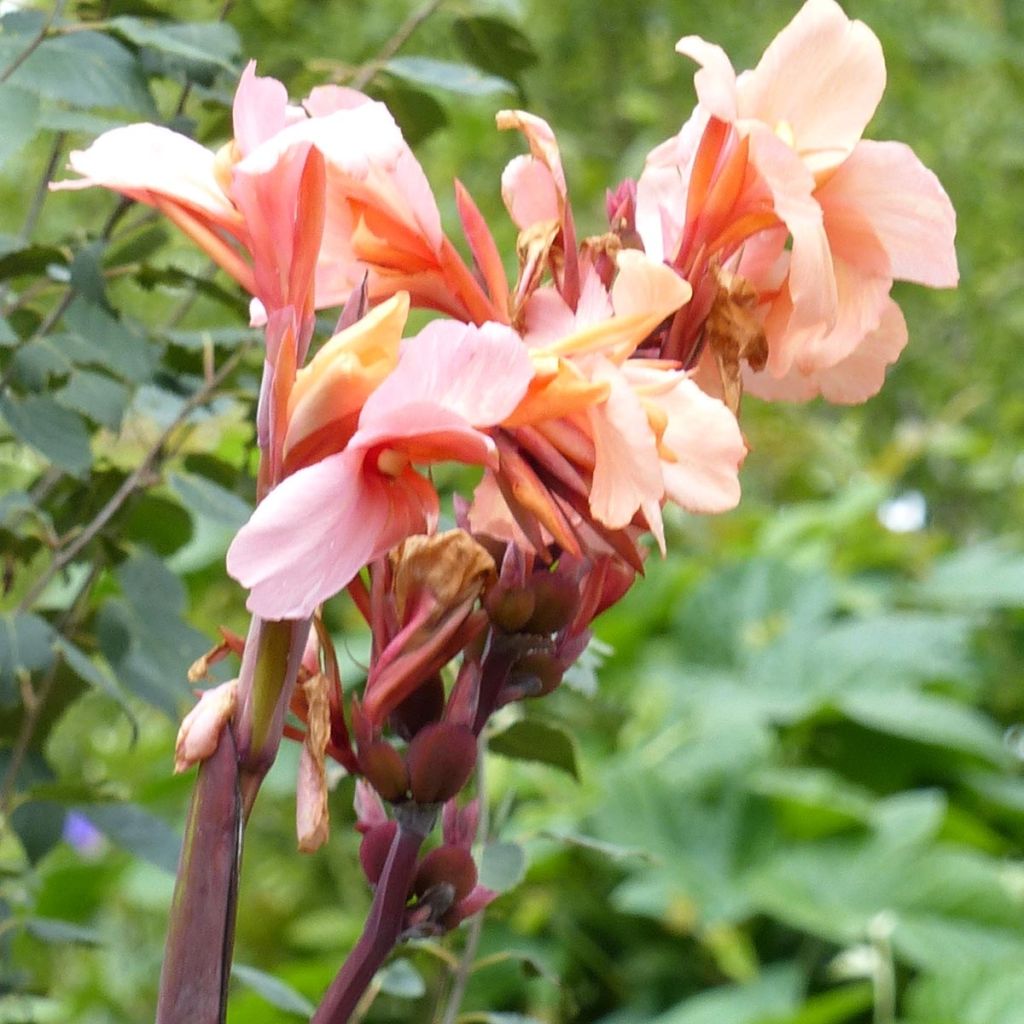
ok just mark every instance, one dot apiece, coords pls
pixel 708 448
pixel 811 282
pixel 862 373
pixel 627 471
pixel 476 373
pixel 645 287
pixel 852 380
pixel 310 536
pixel 883 188
pixel 142 159
pixel 529 192
pixel 861 300
pixel 329 99
pixel 821 80
pixel 715 81
pixel 541 139
pixel 259 111
pixel 547 318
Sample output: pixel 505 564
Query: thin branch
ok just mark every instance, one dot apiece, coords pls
pixel 34 708
pixel 34 42
pixel 136 479
pixel 42 189
pixel 366 74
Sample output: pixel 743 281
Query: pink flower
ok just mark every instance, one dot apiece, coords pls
pixel 311 535
pixel 787 136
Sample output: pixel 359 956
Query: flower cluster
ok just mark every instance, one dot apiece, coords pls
pixel 755 252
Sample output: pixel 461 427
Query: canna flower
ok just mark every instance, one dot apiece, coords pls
pixel 603 437
pixel 776 153
pixel 310 536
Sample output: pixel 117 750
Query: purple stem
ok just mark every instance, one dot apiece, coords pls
pixel 194 978
pixel 383 926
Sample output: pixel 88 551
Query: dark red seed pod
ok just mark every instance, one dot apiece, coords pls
pixel 451 864
pixel 373 850
pixel 555 600
pixel 441 759
pixel 385 770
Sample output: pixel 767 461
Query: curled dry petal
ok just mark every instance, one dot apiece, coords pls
pixel 312 819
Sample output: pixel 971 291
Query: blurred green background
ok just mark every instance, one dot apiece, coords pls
pixel 786 786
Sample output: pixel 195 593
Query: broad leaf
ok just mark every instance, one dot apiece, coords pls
pixel 531 740
pixel 58 433
pixel 273 990
pixel 443 74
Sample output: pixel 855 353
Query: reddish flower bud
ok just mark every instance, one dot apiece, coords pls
pixel 555 601
pixel 385 770
pixel 447 864
pixel 510 610
pixel 441 759
pixel 535 675
pixel 373 850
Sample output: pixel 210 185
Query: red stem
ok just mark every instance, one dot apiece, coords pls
pixel 383 927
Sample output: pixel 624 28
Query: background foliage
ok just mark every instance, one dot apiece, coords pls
pixel 795 796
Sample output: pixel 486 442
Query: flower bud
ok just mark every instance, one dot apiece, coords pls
pixel 374 849
pixel 200 729
pixel 446 864
pixel 385 770
pixel 441 759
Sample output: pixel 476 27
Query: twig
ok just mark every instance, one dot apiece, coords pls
pixel 366 74
pixel 131 483
pixel 460 978
pixel 42 190
pixel 34 42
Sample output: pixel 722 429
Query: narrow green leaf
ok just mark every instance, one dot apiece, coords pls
pixel 984 576
pixel 273 990
pixel 448 75
pixel 203 497
pixel 8 339
pixel 49 929
pixel 530 740
pixel 58 433
pixel 137 831
pixel 88 671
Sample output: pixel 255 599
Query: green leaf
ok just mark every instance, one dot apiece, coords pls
pixel 26 646
pixel 39 825
pixel 89 672
pixel 417 112
pixel 613 851
pixel 8 339
pixel 531 740
pixel 49 929
pixel 221 337
pixel 929 719
pixel 981 577
pixel 87 273
pixel 137 831
pixel 494 45
pixel 21 119
pixel 97 396
pixel 159 523
pixel 203 497
pixel 35 364
pixel 144 637
pixel 401 980
pixel 58 433
pixel 775 991
pixel 108 342
pixel 273 990
pixel 83 69
pixel 838 1006
pixel 502 866
pixel 989 993
pixel 203 42
pixel 448 75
